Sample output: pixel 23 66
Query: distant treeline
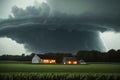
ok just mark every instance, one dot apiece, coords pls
pixel 88 56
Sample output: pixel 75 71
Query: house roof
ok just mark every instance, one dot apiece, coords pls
pixel 43 56
pixel 70 58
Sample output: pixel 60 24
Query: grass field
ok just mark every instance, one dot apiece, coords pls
pixel 90 68
pixel 93 71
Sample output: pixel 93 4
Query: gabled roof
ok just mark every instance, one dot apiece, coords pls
pixel 36 57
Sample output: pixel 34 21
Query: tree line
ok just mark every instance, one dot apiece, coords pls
pixel 88 56
pixel 96 56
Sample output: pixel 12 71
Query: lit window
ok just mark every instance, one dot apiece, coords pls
pixel 45 61
pixel 74 62
pixel 69 62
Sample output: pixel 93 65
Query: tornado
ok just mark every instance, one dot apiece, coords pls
pixel 41 38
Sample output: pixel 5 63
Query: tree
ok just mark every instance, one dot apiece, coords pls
pixel 111 51
pixel 23 55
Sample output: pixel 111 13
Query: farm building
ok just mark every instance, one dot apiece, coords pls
pixel 70 60
pixel 36 59
pixel 43 59
pixel 82 61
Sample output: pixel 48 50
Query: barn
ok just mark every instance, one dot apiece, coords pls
pixel 70 60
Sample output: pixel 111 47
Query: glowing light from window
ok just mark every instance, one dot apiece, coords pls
pixel 48 61
pixel 74 62
pixel 69 62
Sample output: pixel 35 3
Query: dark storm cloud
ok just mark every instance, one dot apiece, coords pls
pixel 102 16
pixel 52 34
pixel 60 40
pixel 31 11
pixel 106 12
pixel 62 28
pixel 106 7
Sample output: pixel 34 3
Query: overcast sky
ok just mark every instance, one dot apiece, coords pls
pixel 92 24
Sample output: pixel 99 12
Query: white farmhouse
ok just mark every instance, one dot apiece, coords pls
pixel 44 59
pixel 36 59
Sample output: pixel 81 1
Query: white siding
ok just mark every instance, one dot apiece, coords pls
pixel 36 59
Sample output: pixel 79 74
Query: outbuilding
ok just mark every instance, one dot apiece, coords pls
pixel 70 60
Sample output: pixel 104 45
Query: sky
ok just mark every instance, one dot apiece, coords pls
pixel 42 26
pixel 8 45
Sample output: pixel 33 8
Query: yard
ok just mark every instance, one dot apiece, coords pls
pixel 89 68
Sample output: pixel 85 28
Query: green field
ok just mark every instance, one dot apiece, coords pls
pixel 89 68
pixel 93 71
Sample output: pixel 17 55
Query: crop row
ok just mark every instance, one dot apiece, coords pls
pixel 58 76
